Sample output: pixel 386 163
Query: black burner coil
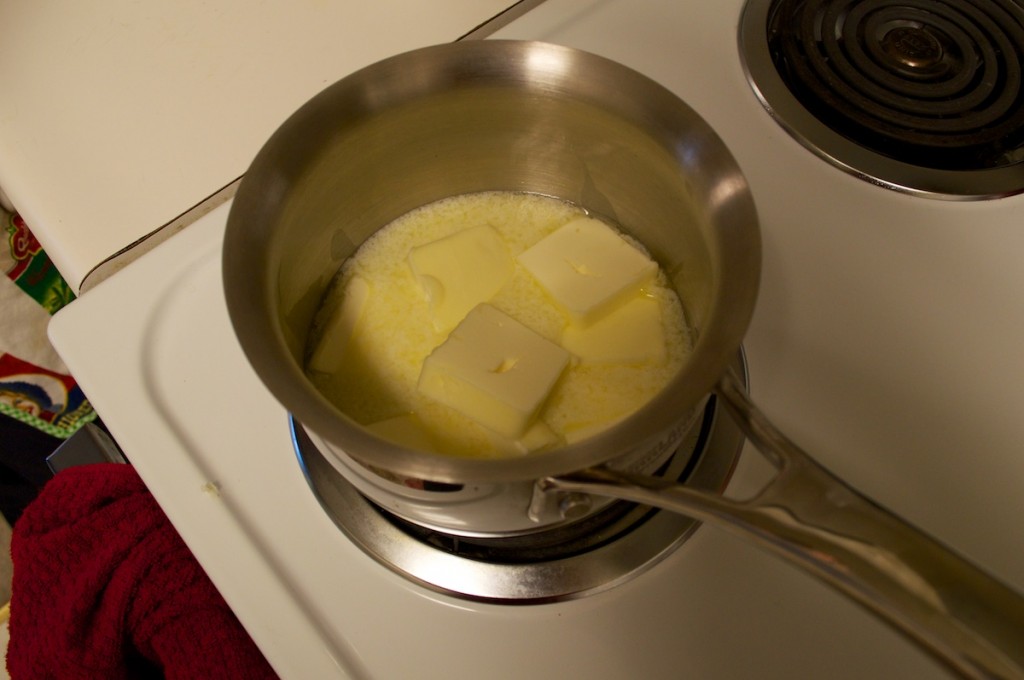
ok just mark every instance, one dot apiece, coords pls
pixel 934 83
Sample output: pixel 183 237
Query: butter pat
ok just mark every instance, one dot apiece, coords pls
pixel 340 329
pixel 460 271
pixel 588 268
pixel 494 370
pixel 630 334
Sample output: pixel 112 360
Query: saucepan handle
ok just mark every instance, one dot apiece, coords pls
pixel 964 617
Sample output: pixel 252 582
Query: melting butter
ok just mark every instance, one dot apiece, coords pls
pixel 623 345
pixel 494 370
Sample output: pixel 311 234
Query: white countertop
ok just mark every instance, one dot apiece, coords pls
pixel 116 116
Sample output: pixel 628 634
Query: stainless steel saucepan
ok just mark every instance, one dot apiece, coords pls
pixel 534 117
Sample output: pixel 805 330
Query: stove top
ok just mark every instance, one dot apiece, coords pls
pixel 886 342
pixel 218 456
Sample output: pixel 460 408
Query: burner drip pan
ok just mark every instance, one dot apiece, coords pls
pixel 922 96
pixel 589 556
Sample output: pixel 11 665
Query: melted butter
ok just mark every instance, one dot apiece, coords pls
pixel 396 331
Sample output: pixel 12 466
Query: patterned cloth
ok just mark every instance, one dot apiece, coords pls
pixel 35 387
pixel 40 403
pixel 105 588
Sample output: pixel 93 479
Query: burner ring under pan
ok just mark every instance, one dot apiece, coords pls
pixel 922 96
pixel 548 566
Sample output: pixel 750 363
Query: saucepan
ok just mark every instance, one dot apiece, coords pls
pixel 532 117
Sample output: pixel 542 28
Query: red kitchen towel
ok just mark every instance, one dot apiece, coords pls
pixel 105 588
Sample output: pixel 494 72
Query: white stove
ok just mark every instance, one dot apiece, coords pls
pixel 886 342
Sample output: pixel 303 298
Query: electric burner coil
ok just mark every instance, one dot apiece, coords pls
pixel 936 85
